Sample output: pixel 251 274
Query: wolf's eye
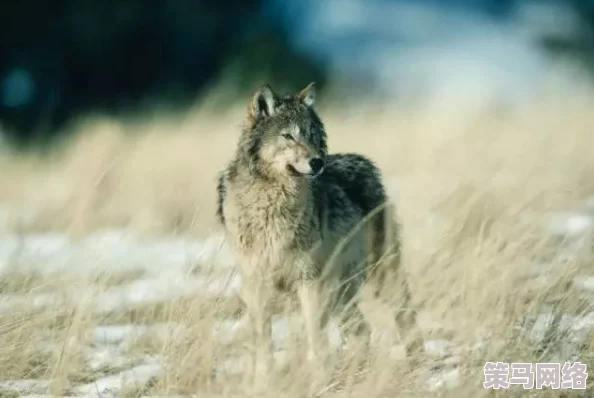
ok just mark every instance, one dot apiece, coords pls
pixel 288 136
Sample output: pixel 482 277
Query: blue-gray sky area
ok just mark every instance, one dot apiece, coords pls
pixel 475 48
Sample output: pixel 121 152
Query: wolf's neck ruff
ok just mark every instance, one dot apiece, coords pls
pixel 269 216
pixel 271 195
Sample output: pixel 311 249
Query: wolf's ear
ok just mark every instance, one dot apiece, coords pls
pixel 308 95
pixel 263 103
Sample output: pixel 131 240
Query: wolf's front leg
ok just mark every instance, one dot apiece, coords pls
pixel 313 307
pixel 257 297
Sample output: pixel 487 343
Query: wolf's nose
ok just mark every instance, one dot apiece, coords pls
pixel 316 164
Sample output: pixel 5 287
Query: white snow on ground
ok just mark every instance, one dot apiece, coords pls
pixel 443 379
pixel 153 290
pixel 168 286
pixel 111 385
pixel 585 282
pixel 122 334
pixel 571 224
pixel 541 325
pixel 11 302
pixel 438 347
pixel 111 357
pixel 113 251
pixel 115 334
pixel 24 386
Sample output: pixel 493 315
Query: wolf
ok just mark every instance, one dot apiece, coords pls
pixel 306 222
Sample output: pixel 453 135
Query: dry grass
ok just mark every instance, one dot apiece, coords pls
pixel 472 191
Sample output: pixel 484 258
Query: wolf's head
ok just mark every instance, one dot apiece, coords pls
pixel 284 136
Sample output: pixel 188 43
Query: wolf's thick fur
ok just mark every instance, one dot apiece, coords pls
pixel 302 220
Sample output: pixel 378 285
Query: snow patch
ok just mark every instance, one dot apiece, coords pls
pixel 585 283
pixel 439 348
pixel 571 224
pixel 168 286
pixel 110 251
pixel 118 334
pixel 443 379
pixel 25 386
pixel 111 385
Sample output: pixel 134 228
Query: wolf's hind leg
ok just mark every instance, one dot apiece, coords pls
pixel 406 321
pixel 390 282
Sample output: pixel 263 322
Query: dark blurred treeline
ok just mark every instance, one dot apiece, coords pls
pixel 61 57
pixel 581 46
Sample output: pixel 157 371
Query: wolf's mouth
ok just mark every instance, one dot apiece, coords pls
pixel 295 173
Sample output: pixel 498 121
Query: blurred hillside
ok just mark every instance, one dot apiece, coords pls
pixel 64 58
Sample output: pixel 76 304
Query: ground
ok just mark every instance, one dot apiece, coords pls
pixel 116 281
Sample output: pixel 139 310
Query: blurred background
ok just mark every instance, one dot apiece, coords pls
pixel 68 58
pixel 117 116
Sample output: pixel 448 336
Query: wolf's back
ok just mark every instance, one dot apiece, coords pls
pixel 358 177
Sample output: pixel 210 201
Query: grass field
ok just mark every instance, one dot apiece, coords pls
pixel 114 281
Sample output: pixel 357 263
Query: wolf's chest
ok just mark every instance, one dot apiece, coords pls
pixel 260 225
